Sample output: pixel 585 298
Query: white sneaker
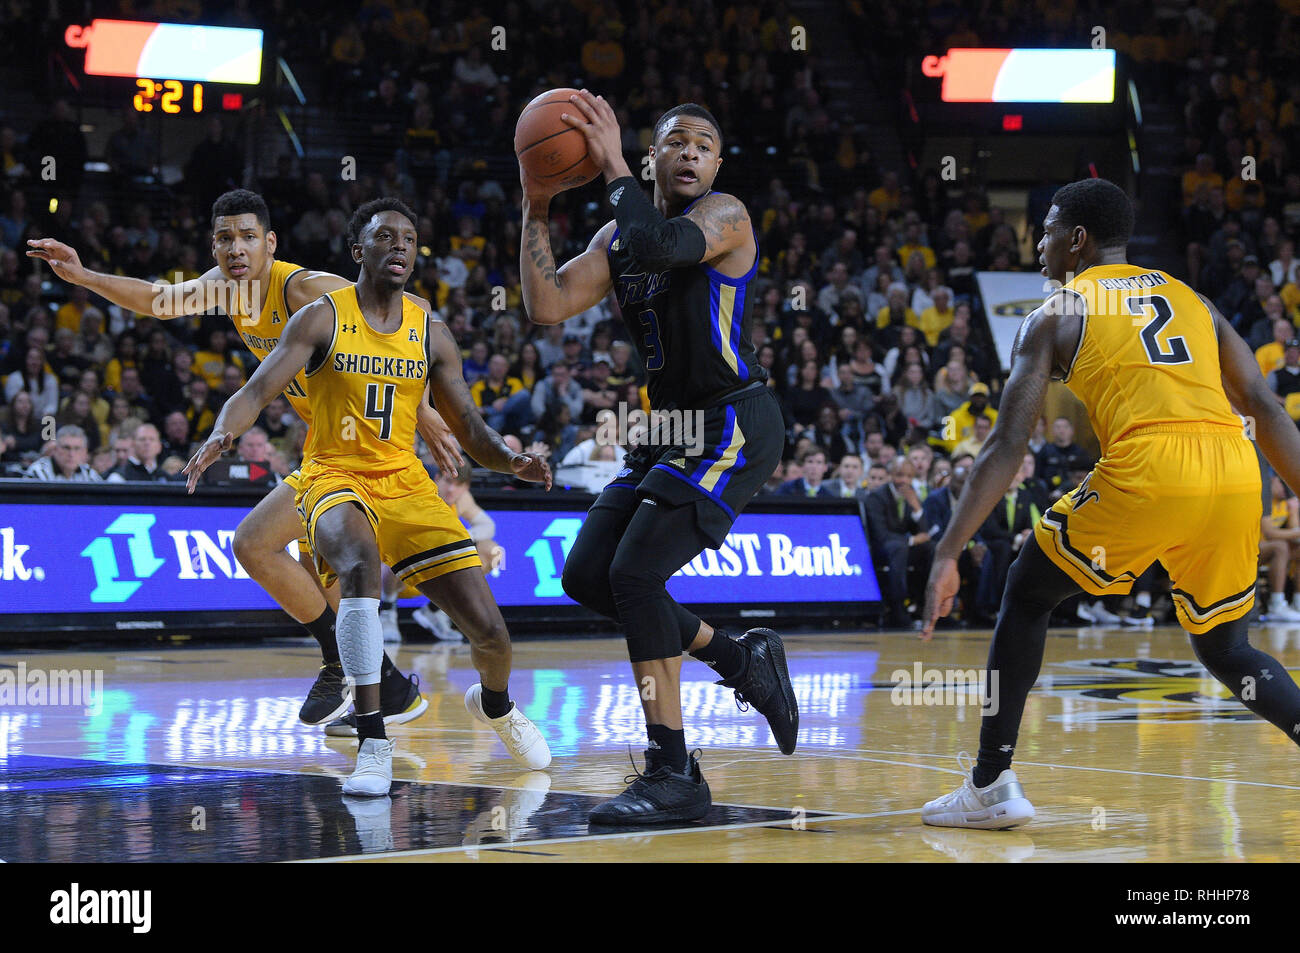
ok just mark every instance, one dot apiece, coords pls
pixel 437 622
pixel 1280 612
pixel 1133 622
pixel 374 774
pixel 1000 805
pixel 1295 602
pixel 1103 616
pixel 388 619
pixel 521 737
pixel 1084 613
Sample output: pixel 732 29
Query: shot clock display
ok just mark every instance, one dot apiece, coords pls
pixel 178 69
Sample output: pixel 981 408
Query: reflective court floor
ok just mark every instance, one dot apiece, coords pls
pixel 1129 752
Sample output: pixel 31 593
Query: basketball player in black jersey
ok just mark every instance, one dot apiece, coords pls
pixel 681 269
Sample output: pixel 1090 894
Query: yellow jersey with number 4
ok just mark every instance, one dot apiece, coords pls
pixel 1148 355
pixel 262 333
pixel 365 393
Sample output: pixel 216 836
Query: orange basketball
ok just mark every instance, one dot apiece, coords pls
pixel 552 151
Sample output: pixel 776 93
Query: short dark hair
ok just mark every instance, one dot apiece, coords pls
pixel 1100 206
pixel 368 210
pixel 686 109
pixel 240 202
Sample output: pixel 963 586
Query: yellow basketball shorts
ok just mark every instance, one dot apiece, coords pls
pixel 418 534
pixel 1186 495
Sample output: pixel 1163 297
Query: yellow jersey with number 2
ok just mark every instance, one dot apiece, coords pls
pixel 1148 355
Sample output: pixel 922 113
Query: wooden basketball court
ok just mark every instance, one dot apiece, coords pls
pixel 1129 752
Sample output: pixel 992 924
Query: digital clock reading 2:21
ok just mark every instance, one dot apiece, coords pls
pixel 168 94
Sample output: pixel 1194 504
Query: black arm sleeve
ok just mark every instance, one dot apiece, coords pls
pixel 655 242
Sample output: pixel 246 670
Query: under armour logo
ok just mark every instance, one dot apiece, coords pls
pixel 412 336
pixel 616 195
pixel 352 328
pixel 275 317
pixel 1265 674
pixel 1007 748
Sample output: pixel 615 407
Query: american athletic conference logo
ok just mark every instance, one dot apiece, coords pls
pixel 109 584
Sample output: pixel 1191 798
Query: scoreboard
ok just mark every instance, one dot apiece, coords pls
pixel 170 68
pixel 1023 90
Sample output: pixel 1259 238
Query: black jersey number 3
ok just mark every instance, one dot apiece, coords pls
pixel 383 414
pixel 1161 314
pixel 654 359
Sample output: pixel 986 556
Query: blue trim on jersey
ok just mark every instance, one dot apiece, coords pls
pixel 744 279
pixel 691 483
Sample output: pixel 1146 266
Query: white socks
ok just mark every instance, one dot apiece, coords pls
pixel 361 640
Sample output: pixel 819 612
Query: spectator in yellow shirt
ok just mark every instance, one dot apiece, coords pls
pixel 211 362
pixel 885 197
pixel 602 57
pixel 914 241
pixel 69 315
pixel 1202 174
pixel 960 424
pixel 1270 356
pixel 938 317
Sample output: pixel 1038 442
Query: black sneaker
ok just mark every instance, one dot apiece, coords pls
pixel 765 684
pixel 328 698
pixel 660 797
pixel 399 699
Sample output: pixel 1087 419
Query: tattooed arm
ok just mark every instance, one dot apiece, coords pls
pixel 553 294
pixel 728 234
pixel 447 386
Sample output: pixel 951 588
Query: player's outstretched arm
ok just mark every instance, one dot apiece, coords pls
pixel 160 299
pixel 447 385
pixel 553 294
pixel 1034 355
pixel 1274 430
pixel 308 331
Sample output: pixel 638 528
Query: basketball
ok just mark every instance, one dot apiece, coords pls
pixel 550 149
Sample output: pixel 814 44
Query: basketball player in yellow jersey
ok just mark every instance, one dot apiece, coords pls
pixel 259 294
pixel 1163 377
pixel 364 496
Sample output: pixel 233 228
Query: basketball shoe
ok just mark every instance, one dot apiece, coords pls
pixel 765 684
pixel 998 806
pixel 399 699
pixel 374 774
pixel 520 736
pixel 328 698
pixel 659 796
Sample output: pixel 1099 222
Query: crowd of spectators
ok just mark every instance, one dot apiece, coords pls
pixel 866 313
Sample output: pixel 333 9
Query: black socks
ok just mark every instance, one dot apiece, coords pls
pixel 667 747
pixel 724 655
pixel 370 725
pixel 496 704
pixel 322 630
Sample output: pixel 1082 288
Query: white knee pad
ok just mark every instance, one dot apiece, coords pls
pixel 360 637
